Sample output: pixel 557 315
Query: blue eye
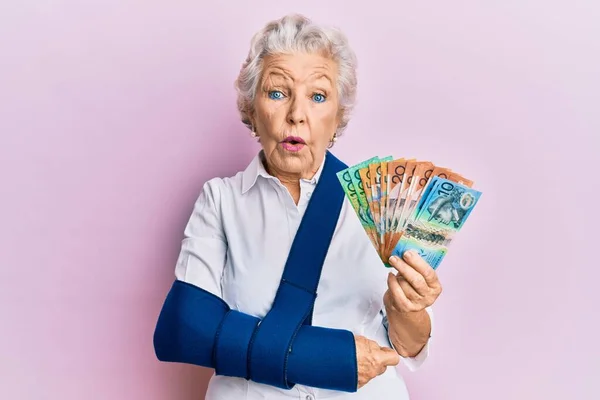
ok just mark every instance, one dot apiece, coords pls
pixel 318 97
pixel 275 95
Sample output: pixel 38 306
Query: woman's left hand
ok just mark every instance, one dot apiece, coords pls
pixel 415 287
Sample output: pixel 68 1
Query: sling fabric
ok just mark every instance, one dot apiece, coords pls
pixel 188 328
pixel 297 291
pixel 231 344
pixel 283 349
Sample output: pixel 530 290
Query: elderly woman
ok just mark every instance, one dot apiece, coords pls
pixel 277 287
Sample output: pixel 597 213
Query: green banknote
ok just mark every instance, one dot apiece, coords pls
pixel 355 192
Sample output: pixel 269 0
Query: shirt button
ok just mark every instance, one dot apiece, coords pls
pixel 309 397
pixel 308 195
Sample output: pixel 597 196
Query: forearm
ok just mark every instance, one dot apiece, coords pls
pixel 197 327
pixel 408 331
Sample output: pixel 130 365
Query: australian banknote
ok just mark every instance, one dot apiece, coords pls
pixel 440 214
pixel 391 197
pixel 355 193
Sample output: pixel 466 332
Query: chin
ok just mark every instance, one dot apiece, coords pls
pixel 291 162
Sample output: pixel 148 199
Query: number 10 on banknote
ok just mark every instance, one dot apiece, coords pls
pixel 405 204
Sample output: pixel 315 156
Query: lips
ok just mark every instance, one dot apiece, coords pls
pixel 294 140
pixel 293 144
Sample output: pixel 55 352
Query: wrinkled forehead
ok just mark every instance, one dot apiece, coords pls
pixel 299 68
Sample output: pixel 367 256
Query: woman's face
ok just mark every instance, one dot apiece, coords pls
pixel 296 112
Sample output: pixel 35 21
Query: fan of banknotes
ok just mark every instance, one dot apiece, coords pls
pixel 406 204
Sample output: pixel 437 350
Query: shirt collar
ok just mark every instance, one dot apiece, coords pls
pixel 256 168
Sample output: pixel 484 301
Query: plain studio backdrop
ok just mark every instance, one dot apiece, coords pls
pixel 113 113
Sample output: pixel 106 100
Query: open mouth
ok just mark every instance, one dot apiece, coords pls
pixel 293 140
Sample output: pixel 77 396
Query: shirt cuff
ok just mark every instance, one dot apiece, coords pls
pixel 414 363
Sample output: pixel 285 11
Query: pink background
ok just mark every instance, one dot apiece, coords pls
pixel 114 113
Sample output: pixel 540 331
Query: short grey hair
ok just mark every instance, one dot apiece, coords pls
pixel 297 33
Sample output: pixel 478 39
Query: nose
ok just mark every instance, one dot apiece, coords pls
pixel 296 113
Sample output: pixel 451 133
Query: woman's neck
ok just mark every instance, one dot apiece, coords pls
pixel 290 181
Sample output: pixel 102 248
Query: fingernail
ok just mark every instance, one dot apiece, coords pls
pixel 393 259
pixel 409 254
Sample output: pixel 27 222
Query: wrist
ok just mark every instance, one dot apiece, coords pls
pixel 408 331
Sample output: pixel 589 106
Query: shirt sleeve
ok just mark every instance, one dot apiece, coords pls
pixel 203 250
pixel 413 363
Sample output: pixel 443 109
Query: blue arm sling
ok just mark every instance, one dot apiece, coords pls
pixel 282 349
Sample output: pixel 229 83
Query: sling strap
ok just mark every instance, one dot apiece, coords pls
pixel 198 327
pixel 272 340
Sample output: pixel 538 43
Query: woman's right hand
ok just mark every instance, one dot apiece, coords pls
pixel 372 359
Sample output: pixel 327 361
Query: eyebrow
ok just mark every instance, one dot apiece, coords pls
pixel 281 73
pixel 277 72
pixel 320 75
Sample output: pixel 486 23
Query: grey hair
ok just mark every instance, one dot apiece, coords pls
pixel 297 33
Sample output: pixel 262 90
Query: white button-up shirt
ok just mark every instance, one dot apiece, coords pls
pixel 235 246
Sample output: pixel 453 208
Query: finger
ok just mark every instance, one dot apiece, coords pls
pixel 411 294
pixel 390 356
pixel 399 298
pixel 413 277
pixel 421 266
pixel 408 290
